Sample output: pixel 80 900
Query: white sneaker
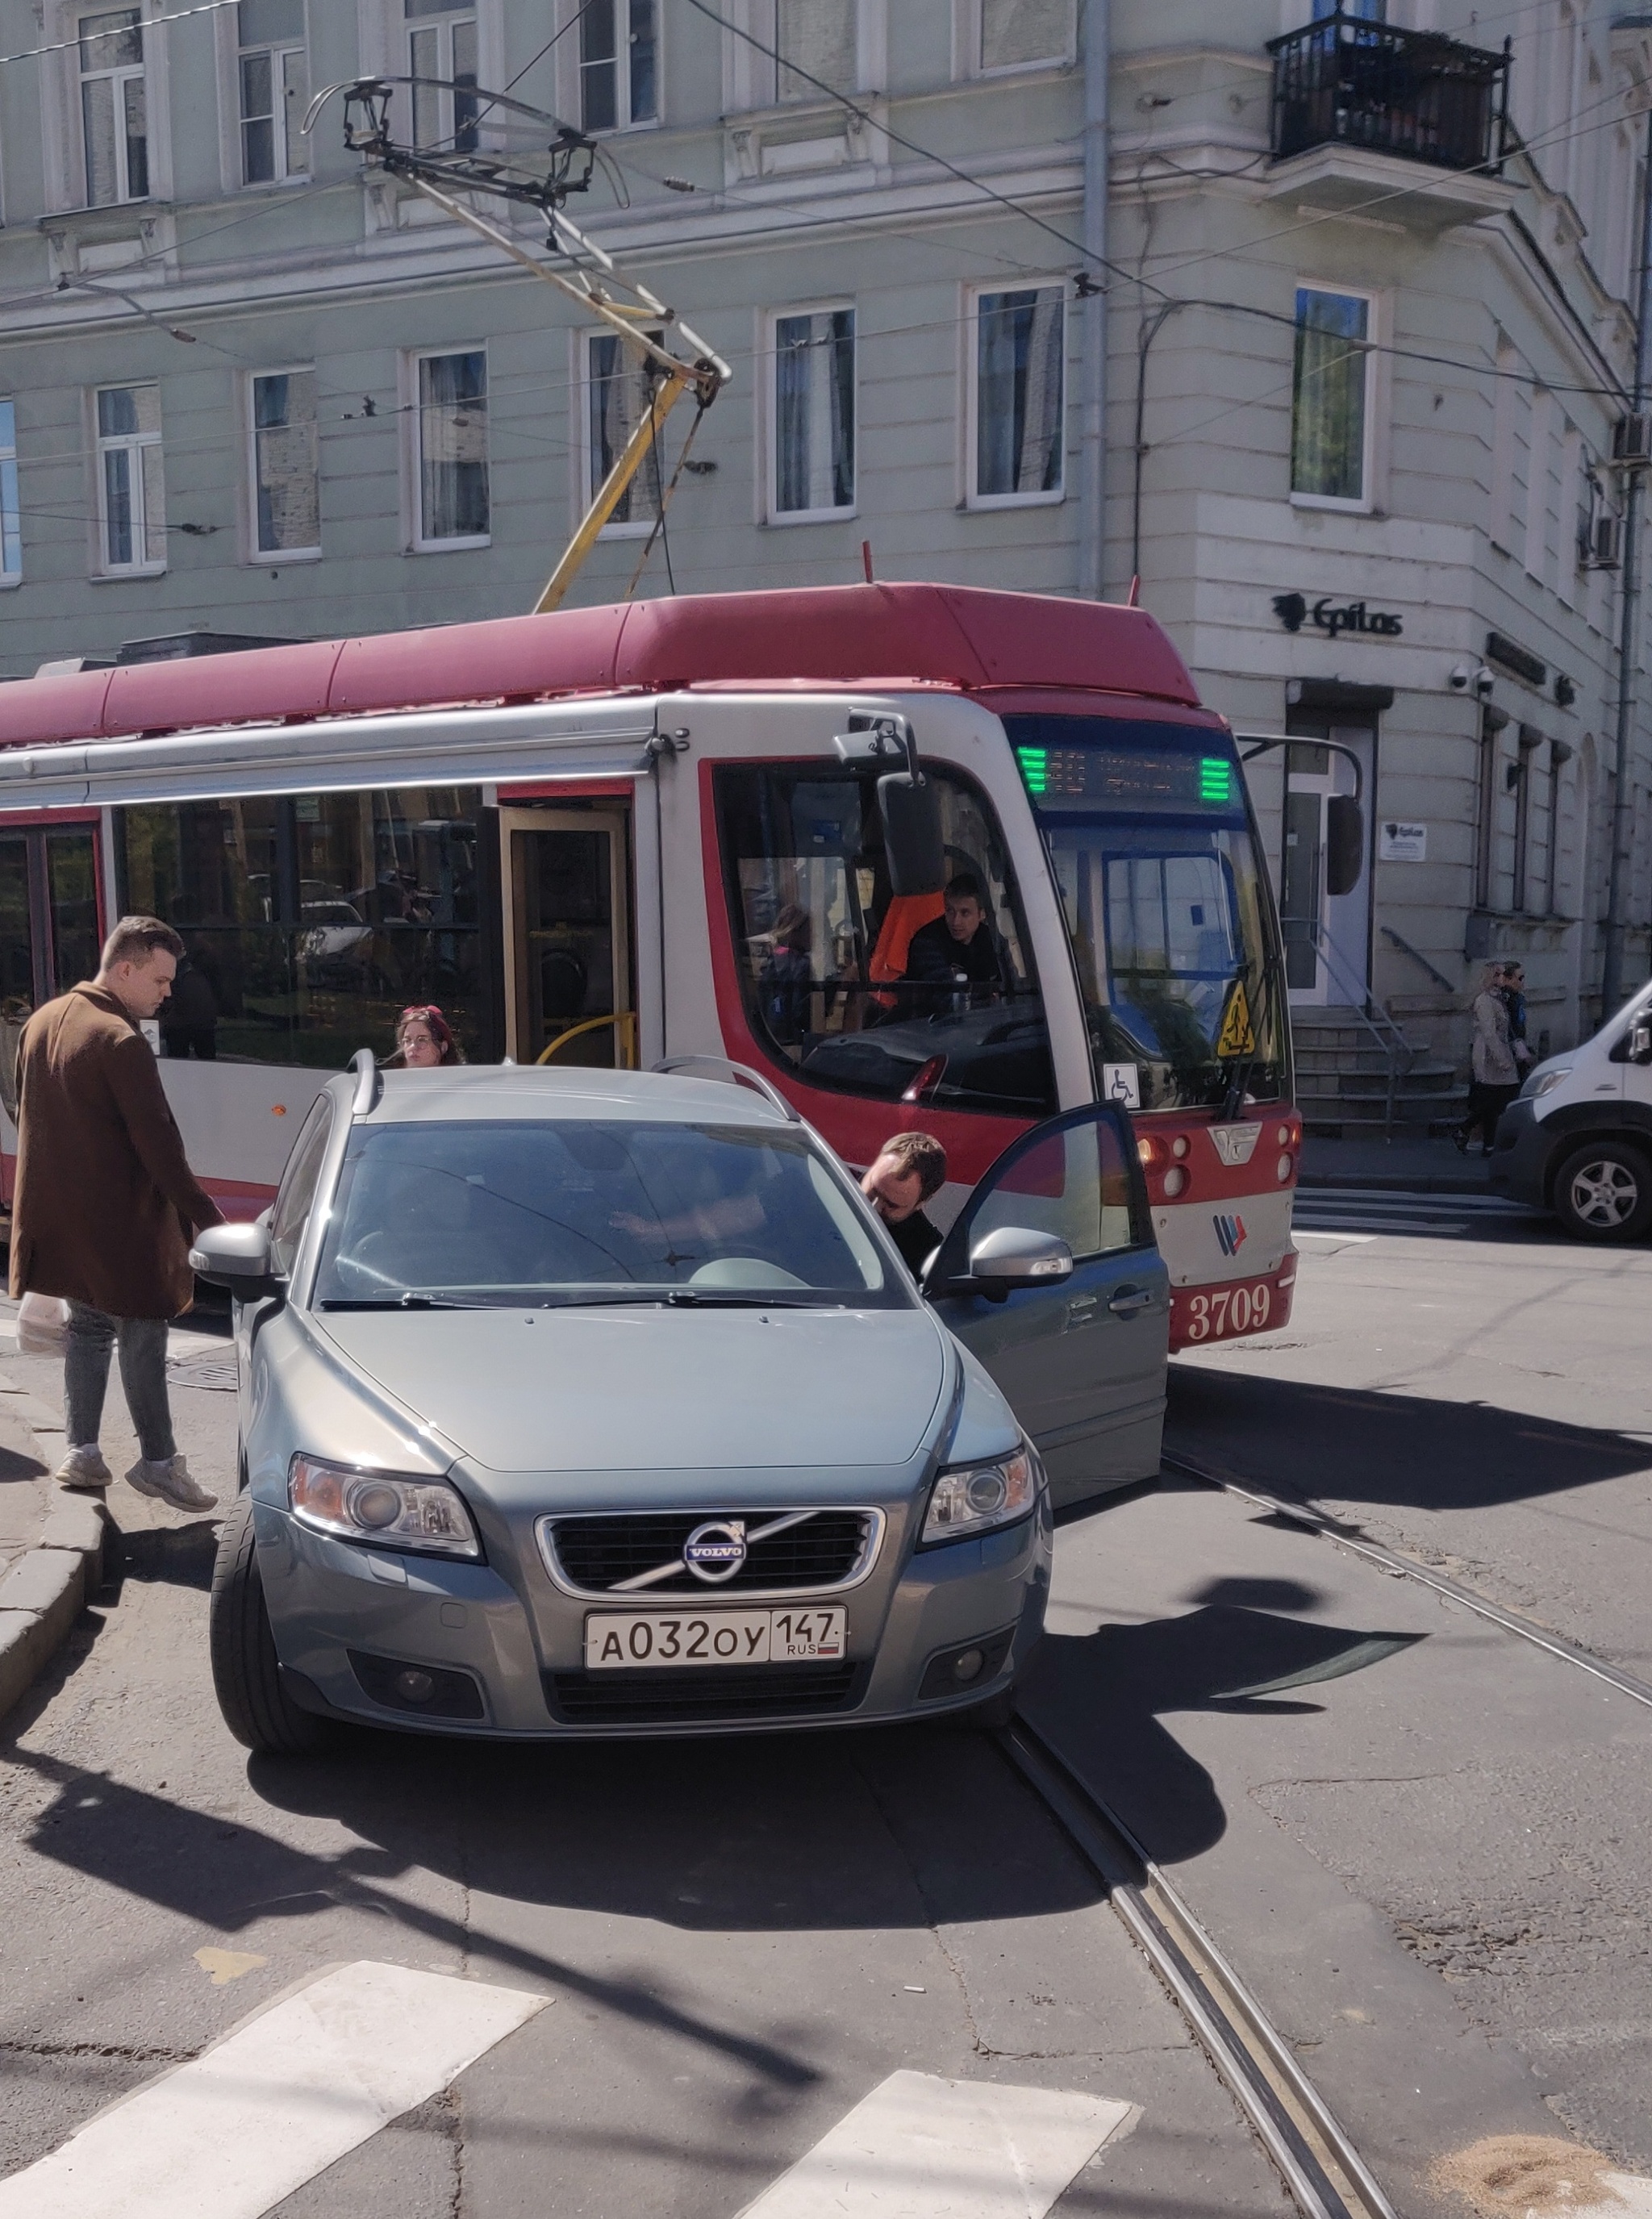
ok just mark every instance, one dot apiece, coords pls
pixel 171 1480
pixel 85 1468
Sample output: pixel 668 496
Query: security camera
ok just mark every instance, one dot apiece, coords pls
pixel 1460 677
pixel 1483 681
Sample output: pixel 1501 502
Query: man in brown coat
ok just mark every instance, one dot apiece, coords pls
pixel 106 1203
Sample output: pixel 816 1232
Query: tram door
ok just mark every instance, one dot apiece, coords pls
pixel 568 936
pixel 49 935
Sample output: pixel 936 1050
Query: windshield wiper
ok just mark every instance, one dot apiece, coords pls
pixel 690 1298
pixel 408 1302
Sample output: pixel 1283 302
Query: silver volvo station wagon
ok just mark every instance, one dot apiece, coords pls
pixel 592 1403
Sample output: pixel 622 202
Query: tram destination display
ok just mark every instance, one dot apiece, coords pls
pixel 1149 774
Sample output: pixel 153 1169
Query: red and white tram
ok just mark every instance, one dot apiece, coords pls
pixel 613 835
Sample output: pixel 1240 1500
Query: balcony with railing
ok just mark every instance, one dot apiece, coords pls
pixel 1359 105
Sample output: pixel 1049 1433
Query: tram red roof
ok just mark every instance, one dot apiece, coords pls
pixel 831 635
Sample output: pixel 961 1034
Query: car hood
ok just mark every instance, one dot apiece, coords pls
pixel 648 1389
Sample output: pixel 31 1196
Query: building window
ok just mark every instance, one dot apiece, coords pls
pixel 618 387
pixel 286 464
pixel 11 535
pixel 620 64
pixel 1015 442
pixel 114 107
pixel 1016 34
pixel 814 413
pixel 275 81
pixel 818 39
pixel 442 55
pixel 452 420
pixel 1331 398
pixel 132 489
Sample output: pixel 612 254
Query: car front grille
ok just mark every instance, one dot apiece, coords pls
pixel 596 1555
pixel 687 1698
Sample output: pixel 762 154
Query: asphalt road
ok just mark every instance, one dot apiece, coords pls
pixel 1421 1841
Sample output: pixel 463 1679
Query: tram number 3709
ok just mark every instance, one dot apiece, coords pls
pixel 1227 1310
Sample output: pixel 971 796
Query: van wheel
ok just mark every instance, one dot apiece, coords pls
pixel 245 1675
pixel 1603 1192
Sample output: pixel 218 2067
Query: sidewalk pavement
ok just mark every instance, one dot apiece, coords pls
pixel 1408 1164
pixel 52 1540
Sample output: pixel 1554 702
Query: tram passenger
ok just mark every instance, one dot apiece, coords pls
pixel 911 1169
pixel 954 961
pixel 424 1040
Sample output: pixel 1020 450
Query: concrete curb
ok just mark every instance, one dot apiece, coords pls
pixel 44 1592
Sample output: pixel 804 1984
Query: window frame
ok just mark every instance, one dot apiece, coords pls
pixel 1366 503
pixel 970 36
pixel 118 76
pixel 444 20
pixel 132 444
pixel 11 514
pixel 625 119
pixel 973 499
pixel 278 50
pixel 268 558
pixel 585 480
pixel 413 451
pixel 773 513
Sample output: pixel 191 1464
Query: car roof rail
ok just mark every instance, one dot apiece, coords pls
pixel 370 1082
pixel 742 1073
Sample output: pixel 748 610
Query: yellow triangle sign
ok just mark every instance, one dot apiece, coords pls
pixel 1237 1033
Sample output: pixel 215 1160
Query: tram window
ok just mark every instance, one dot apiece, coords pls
pixel 821 945
pixel 310 923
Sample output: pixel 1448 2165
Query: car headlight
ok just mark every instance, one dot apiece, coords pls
pixel 414 1514
pixel 972 1498
pixel 1541 1082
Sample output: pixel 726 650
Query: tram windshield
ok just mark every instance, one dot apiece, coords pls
pixel 1157 863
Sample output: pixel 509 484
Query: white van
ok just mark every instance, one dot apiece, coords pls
pixel 1579 1140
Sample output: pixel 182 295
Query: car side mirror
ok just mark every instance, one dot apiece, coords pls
pixel 238 1257
pixel 1345 843
pixel 1010 1256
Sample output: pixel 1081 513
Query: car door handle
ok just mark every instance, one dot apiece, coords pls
pixel 1129 1300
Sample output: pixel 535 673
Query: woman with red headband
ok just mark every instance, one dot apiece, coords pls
pixel 423 1040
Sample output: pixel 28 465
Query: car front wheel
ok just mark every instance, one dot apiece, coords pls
pixel 1603 1192
pixel 245 1675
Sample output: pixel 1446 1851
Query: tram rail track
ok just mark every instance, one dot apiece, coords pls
pixel 1316 1519
pixel 1313 2153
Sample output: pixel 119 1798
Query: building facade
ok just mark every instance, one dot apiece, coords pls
pixel 1359 373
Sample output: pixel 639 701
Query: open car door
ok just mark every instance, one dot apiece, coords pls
pixel 1081 1359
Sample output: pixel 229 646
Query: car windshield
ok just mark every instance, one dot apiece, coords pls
pixel 1155 858
pixel 567 1211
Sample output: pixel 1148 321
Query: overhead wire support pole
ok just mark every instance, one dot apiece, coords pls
pixel 591 287
pixel 1629 649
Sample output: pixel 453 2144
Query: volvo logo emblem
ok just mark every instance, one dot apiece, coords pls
pixel 714 1551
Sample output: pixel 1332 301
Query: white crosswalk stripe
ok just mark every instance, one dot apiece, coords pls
pixel 920 2148
pixel 230 2134
pixel 1369 1211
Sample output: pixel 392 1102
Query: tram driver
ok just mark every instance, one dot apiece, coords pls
pixel 954 961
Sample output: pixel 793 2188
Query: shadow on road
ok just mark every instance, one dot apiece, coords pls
pixel 1401 1450
pixel 1102 1698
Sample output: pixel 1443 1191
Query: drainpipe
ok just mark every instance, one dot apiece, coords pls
pixel 1092 484
pixel 1622 815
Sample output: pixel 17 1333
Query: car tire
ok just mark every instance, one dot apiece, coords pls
pixel 246 1674
pixel 1603 1192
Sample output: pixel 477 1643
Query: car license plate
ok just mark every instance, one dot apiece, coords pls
pixel 636 1640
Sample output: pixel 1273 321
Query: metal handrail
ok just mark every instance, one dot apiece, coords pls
pixel 1390 1040
pixel 1417 957
pixel 624 1022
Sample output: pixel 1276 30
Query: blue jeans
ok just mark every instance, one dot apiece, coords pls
pixel 92 1336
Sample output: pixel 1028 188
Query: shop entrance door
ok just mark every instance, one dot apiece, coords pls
pixel 1327 935
pixel 569 997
